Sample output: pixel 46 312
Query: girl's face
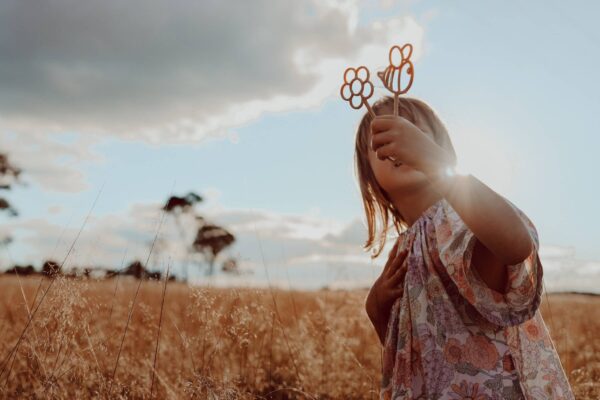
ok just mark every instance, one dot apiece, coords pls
pixel 399 179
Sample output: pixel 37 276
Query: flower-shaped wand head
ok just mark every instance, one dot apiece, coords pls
pixel 357 89
pixel 391 76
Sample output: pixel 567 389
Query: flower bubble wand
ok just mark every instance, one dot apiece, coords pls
pixel 357 89
pixel 357 86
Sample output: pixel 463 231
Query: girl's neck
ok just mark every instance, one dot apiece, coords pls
pixel 412 205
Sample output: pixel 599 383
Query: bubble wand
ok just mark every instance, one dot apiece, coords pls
pixel 354 89
pixel 392 75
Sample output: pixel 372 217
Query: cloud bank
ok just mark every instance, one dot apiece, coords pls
pixel 178 71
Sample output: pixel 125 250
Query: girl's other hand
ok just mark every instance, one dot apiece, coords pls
pixel 387 288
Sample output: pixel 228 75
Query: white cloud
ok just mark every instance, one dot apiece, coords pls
pixel 52 164
pixel 354 233
pixel 179 71
pixel 564 272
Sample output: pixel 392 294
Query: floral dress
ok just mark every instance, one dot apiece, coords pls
pixel 450 336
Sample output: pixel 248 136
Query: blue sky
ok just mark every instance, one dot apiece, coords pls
pixel 514 83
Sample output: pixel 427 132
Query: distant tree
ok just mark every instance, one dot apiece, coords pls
pixel 5 205
pixel 51 268
pixel 136 269
pixel 9 174
pixel 210 241
pixel 17 269
pixel 176 206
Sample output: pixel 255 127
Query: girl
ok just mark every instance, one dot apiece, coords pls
pixel 456 306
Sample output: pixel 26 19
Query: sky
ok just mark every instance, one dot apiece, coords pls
pixel 109 108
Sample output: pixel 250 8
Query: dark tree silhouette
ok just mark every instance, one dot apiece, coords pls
pixel 182 204
pixel 51 268
pixel 8 175
pixel 5 205
pixel 210 241
pixel 175 206
pixel 17 269
pixel 136 269
pixel 7 171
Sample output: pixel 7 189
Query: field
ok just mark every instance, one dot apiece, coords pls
pixel 217 343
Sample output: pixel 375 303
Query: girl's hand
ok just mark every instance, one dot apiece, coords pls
pixel 386 289
pixel 405 142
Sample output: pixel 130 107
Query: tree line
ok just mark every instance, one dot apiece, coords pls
pixel 210 240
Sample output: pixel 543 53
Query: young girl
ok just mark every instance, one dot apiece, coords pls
pixel 456 306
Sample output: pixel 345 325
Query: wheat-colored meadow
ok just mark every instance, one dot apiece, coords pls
pixel 222 343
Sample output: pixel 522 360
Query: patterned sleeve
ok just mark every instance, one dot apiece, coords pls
pixel 523 291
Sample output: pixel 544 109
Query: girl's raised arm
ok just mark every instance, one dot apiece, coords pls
pixel 489 215
pixel 521 296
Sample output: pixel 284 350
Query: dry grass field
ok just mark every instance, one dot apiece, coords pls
pixel 222 343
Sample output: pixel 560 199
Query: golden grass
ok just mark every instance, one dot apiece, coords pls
pixel 224 343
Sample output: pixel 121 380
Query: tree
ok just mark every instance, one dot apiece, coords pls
pixel 9 174
pixel 182 204
pixel 176 206
pixel 210 241
pixel 136 269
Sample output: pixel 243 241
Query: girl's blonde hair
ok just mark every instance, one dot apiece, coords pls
pixel 375 199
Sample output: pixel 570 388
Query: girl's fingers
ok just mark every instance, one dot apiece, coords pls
pixel 395 261
pixel 386 116
pixel 381 138
pixel 400 269
pixel 400 257
pixel 391 259
pixel 386 150
pixel 396 277
pixel 399 275
pixel 381 124
pixel 400 265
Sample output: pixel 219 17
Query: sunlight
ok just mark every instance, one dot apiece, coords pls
pixel 485 157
